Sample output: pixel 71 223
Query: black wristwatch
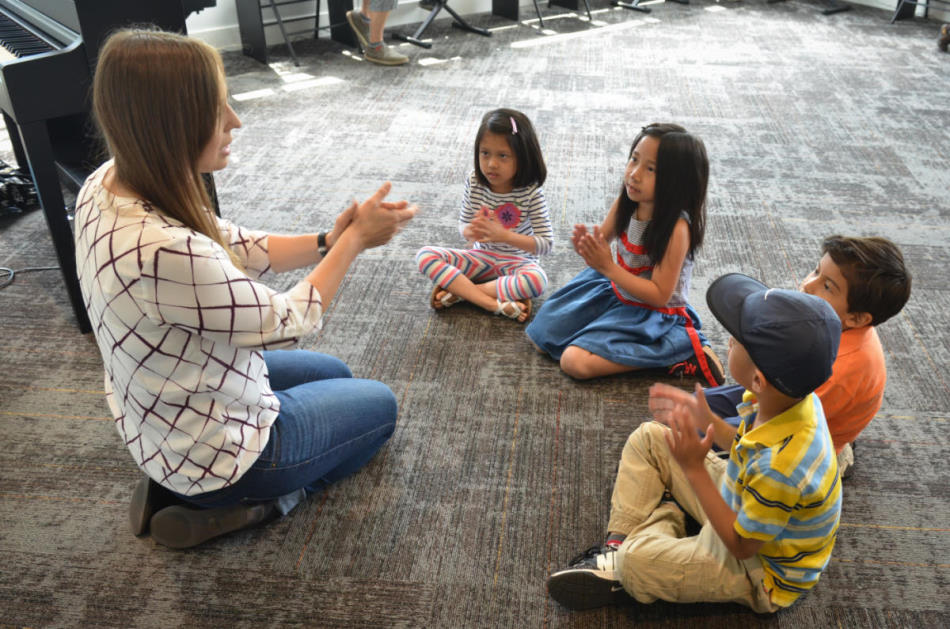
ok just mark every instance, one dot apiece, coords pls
pixel 322 244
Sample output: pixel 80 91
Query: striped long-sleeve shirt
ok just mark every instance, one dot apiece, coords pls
pixel 523 210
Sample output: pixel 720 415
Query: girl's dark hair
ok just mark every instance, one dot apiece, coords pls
pixel 523 143
pixel 878 281
pixel 682 174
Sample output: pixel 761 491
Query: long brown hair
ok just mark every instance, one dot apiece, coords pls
pixel 158 98
pixel 682 175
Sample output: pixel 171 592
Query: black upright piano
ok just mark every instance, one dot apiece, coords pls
pixel 46 70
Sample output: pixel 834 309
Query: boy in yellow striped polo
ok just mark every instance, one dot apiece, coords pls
pixel 769 514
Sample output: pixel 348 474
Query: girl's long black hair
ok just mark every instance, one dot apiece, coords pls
pixel 682 174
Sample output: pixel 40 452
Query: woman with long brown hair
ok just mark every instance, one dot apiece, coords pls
pixel 230 428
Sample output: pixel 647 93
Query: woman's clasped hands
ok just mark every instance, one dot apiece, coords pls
pixel 374 221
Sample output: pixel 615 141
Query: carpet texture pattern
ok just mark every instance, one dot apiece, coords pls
pixel 501 467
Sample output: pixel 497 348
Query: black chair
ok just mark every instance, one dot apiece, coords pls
pixel 635 5
pixel 907 8
pixel 574 6
pixel 457 22
pixel 208 180
pixel 831 6
pixel 251 23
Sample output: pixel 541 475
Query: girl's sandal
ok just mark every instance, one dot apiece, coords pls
pixel 448 299
pixel 514 310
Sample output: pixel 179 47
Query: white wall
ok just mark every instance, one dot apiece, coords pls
pixel 218 25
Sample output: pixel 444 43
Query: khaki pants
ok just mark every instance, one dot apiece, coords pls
pixel 657 560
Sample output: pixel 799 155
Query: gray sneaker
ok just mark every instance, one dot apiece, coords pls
pixel 384 55
pixel 360 28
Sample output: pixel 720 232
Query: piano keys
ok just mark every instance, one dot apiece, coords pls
pixel 46 71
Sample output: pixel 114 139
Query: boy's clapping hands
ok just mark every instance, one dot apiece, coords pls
pixel 667 402
pixel 685 445
pixel 684 414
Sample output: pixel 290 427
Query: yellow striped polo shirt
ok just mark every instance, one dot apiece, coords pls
pixel 782 481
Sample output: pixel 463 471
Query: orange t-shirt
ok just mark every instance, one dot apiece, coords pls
pixel 853 394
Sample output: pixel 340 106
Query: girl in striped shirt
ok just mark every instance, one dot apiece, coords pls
pixel 504 217
pixel 630 311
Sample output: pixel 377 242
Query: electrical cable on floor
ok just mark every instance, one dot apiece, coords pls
pixel 7 275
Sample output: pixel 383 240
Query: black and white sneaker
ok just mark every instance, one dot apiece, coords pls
pixel 589 581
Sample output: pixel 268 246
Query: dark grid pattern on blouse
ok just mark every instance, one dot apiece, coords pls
pixel 180 330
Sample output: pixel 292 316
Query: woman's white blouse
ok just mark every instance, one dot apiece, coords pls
pixel 181 330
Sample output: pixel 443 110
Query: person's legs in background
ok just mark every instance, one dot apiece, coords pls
pixel 368 25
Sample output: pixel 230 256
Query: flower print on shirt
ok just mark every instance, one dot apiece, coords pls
pixel 508 215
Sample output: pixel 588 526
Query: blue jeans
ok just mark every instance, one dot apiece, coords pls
pixel 723 401
pixel 330 424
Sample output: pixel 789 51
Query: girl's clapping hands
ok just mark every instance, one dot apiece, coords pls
pixel 595 250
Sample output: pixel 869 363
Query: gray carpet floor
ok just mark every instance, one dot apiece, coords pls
pixel 501 467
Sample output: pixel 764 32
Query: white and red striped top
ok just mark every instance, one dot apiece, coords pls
pixel 632 257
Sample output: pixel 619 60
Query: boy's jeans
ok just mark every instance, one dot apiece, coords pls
pixel 657 560
pixel 329 425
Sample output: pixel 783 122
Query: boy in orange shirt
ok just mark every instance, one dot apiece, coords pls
pixel 866 283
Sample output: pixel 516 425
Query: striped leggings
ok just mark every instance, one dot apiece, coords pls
pixel 518 278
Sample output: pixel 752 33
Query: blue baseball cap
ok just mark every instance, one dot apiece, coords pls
pixel 792 337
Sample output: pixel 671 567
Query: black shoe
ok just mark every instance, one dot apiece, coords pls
pixel 589 581
pixel 426 5
pixel 182 526
pixel 690 368
pixel 147 498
